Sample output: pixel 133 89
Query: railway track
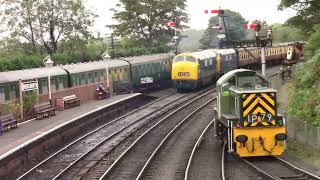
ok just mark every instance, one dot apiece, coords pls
pixel 55 165
pixel 233 168
pixel 204 160
pixel 83 153
pixel 270 167
pixel 129 164
pixel 278 169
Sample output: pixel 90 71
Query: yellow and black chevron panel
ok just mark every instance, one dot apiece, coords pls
pixel 259 109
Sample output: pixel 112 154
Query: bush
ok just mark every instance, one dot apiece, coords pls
pixel 305 95
pixel 313 43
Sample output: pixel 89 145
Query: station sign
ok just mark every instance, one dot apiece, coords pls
pixel 29 86
pixel 146 80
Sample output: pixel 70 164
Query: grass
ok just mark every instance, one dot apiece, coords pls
pixel 303 153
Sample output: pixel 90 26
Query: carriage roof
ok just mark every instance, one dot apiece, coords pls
pixel 36 73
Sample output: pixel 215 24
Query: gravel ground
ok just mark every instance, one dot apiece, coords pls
pixel 171 161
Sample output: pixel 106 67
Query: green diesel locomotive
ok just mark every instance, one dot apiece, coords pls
pixel 246 117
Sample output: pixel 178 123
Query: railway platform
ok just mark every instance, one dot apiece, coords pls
pixel 32 130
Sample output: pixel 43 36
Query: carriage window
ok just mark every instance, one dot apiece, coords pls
pixel 2 95
pixel 90 78
pixel 53 84
pixel 61 82
pixel 44 84
pixel 211 62
pixel 83 79
pixel 177 59
pixel 205 63
pixel 13 91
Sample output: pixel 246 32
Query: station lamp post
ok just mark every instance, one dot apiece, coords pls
pixel 106 57
pixel 48 63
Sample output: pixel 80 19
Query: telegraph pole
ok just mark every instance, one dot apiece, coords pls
pixel 112 47
pixel 263 61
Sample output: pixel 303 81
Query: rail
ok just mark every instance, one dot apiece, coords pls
pixel 106 173
pixel 88 134
pixel 293 171
pixel 167 137
pixel 197 144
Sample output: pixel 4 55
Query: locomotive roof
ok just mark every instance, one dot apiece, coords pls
pixel 231 73
pixel 202 54
pixel 27 74
pixel 225 77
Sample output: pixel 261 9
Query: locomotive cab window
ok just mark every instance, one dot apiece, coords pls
pixel 178 59
pixel 252 81
pixel 190 59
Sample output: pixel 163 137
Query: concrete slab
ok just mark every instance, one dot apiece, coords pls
pixel 33 129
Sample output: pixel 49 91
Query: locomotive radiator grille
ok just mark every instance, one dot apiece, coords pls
pixel 259 109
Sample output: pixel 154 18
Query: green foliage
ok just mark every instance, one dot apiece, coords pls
pixel 125 51
pixel 144 20
pixel 29 101
pixel 45 22
pixel 191 42
pixel 72 50
pixel 234 21
pixel 308 13
pixel 13 108
pixel 313 43
pixel 284 33
pixel 305 95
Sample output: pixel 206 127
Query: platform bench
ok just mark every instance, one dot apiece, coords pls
pixel 44 110
pixel 8 122
pixel 71 101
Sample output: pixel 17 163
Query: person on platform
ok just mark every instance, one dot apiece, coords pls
pixel 101 88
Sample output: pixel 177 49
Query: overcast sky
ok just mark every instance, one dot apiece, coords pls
pixel 249 9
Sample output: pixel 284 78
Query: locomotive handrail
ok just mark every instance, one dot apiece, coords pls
pixel 273 74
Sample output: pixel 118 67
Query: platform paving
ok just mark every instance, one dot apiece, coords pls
pixel 31 129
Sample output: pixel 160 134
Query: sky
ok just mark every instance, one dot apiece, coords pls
pixel 249 9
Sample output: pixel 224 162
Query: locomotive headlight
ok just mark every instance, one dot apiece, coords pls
pixel 281 136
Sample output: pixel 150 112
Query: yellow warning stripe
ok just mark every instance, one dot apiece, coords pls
pixel 271 101
pixel 265 105
pixel 259 110
pixel 255 102
pixel 248 100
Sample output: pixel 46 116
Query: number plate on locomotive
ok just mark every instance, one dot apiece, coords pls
pixel 264 117
pixel 184 74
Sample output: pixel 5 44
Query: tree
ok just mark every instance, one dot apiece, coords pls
pixel 234 21
pixel 284 33
pixel 46 22
pixel 191 41
pixel 144 20
pixel 308 13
